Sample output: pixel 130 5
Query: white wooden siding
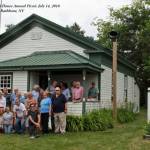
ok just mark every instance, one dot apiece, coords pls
pixel 24 45
pixel 106 80
pixel 130 89
pixel 97 105
pixel 92 106
pixel 106 77
pixel 74 108
pixel 120 87
pixel 20 80
pixel 137 97
pixel 133 89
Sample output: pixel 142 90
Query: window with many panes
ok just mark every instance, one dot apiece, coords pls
pixel 5 81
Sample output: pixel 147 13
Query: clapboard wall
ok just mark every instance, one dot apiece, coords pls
pixel 25 44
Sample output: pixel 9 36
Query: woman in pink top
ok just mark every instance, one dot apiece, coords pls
pixel 77 93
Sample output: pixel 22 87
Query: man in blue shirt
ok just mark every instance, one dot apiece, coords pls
pixel 13 97
pixel 59 105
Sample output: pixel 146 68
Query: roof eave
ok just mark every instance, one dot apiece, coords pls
pixel 120 58
pixel 52 67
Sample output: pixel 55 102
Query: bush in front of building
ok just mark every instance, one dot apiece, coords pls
pixel 147 129
pixel 126 114
pixel 74 123
pixel 100 120
pixel 97 120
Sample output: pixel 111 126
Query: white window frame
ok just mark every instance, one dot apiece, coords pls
pixel 3 84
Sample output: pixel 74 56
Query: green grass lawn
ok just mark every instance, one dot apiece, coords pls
pixel 121 137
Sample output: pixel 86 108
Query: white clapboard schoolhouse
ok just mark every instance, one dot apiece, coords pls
pixel 37 49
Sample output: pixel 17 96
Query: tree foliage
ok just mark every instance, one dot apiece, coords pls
pixel 75 27
pixel 132 22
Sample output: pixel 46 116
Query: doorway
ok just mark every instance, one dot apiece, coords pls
pixel 43 79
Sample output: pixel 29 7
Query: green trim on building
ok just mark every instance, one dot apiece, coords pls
pixel 51 60
pixel 103 59
pixel 108 53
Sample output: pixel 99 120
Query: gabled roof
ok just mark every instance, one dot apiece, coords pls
pixel 35 20
pixel 50 60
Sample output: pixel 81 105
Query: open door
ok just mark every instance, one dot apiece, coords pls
pixel 43 79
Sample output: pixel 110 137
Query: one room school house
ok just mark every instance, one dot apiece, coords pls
pixel 37 49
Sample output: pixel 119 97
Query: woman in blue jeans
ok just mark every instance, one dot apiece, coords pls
pixel 19 116
pixel 7 120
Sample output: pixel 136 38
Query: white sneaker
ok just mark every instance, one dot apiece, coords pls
pixel 62 133
pixel 32 137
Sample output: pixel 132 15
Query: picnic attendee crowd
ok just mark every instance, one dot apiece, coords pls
pixel 40 111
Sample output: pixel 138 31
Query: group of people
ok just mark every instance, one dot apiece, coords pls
pixel 35 110
pixel 76 92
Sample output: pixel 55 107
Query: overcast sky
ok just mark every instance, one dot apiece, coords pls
pixel 81 11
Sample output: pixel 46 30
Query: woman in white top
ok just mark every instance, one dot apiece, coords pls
pixel 2 108
pixel 7 120
pixel 2 103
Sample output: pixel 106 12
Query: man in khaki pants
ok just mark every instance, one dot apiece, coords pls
pixel 59 108
pixel 60 122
